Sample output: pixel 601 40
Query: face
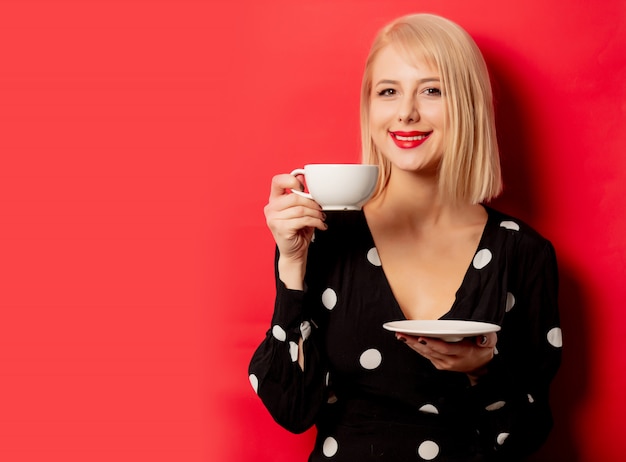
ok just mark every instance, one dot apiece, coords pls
pixel 407 112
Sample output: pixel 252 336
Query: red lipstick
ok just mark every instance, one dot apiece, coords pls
pixel 409 140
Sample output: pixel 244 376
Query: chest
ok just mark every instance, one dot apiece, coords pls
pixel 424 273
pixel 355 291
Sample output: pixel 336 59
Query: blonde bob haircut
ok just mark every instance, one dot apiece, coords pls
pixel 470 167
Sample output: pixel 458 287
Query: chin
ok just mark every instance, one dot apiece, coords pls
pixel 416 166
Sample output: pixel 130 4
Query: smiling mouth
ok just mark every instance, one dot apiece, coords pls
pixel 410 138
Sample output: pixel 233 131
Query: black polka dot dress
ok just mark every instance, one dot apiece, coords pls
pixel 373 398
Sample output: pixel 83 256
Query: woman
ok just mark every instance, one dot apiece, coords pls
pixel 424 247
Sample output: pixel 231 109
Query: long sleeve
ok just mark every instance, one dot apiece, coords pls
pixel 293 396
pixel 511 401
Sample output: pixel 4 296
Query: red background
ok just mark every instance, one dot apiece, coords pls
pixel 137 142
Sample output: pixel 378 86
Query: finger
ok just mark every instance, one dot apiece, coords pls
pixel 439 346
pixel 284 201
pixel 282 182
pixel 294 225
pixel 284 215
pixel 297 211
pixel 422 345
pixel 488 340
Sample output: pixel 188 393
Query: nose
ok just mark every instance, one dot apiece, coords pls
pixel 408 112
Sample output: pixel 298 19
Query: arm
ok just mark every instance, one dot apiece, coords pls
pixel 287 371
pixel 511 401
pixel 292 391
pixel 292 220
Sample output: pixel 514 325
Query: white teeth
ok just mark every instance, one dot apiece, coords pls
pixel 410 138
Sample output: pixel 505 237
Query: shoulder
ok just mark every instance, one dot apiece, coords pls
pixel 515 227
pixel 344 228
pixel 343 247
pixel 521 239
pixel 347 237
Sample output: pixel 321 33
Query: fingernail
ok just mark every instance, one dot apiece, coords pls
pixel 402 339
pixel 323 216
pixel 422 341
pixel 483 339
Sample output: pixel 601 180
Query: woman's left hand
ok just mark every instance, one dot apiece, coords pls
pixel 469 356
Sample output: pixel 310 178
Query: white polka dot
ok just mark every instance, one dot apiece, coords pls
pixel 279 333
pixel 373 258
pixel 330 447
pixel 555 337
pixel 305 330
pixel 428 450
pixel 327 379
pixel 293 351
pixel 371 359
pixel 329 299
pixel 254 381
pixel 530 398
pixel 495 406
pixel 429 409
pixel 510 225
pixel 510 301
pixel 482 258
pixel 501 438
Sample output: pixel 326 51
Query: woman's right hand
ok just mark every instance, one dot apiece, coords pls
pixel 292 219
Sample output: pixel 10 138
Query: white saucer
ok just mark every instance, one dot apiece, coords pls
pixel 444 329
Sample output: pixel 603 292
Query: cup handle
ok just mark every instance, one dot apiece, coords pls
pixel 300 171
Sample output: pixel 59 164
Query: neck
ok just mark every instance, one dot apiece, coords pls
pixel 413 201
pixel 410 196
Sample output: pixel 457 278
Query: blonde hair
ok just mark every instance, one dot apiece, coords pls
pixel 470 166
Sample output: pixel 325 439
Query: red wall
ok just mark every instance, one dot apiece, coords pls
pixel 137 142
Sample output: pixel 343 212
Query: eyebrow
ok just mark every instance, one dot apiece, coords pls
pixel 395 82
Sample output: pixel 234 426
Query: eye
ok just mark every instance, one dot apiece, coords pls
pixel 386 92
pixel 432 91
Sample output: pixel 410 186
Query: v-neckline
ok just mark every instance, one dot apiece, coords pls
pixel 450 313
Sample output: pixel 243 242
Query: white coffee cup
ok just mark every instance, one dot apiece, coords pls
pixel 338 186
